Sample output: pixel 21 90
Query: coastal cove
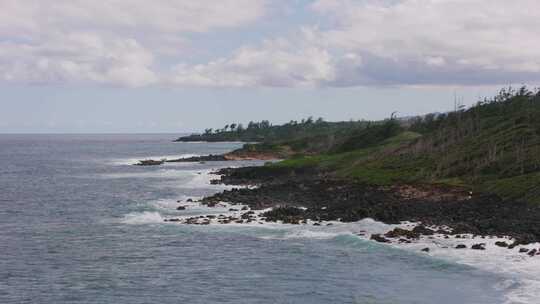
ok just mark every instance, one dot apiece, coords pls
pixel 270 152
pixel 94 225
pixel 312 205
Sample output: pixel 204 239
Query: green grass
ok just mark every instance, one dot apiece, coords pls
pixel 363 165
pixel 493 147
pixel 523 187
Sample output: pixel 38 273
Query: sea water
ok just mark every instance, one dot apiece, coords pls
pixel 80 224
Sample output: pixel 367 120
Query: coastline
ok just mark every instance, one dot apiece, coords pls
pixel 307 203
pixel 331 199
pixel 300 194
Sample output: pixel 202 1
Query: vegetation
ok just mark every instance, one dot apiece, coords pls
pixel 265 132
pixel 492 147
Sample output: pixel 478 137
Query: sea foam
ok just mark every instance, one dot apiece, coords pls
pixel 138 218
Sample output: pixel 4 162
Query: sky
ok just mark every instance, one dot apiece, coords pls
pixel 138 66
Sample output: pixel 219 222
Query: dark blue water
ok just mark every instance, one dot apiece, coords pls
pixel 78 224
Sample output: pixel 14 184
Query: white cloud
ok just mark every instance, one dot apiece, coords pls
pixel 441 38
pixel 77 57
pixel 356 42
pixel 277 63
pixel 172 16
pixel 114 42
pixel 393 42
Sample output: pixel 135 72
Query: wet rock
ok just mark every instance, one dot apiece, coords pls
pixel 481 246
pixel 461 246
pixel 199 159
pixel 423 230
pixel 150 162
pixel 399 232
pixel 189 200
pixel 525 239
pixel 532 252
pixel 244 208
pixel 181 208
pixel 316 224
pixel 404 241
pixel 523 250
pixel 286 214
pixel 425 249
pixel 350 202
pixel 501 244
pixel 246 216
pixel 379 238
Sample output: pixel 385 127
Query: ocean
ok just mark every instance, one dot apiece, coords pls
pixel 80 224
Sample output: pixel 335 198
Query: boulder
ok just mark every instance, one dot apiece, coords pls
pixel 423 230
pixel 379 238
pixel 461 246
pixel 150 162
pixel 501 244
pixel 480 246
pixel 399 232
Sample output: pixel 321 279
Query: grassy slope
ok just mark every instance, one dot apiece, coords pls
pixel 493 147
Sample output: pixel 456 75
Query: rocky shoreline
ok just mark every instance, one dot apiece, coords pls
pixel 302 196
pixel 305 195
pixel 232 156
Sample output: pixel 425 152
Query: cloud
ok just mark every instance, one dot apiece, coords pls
pixel 277 63
pixel 354 43
pixel 436 41
pixel 399 42
pixel 113 42
pixel 77 57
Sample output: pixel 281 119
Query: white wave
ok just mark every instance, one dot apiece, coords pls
pixel 520 269
pixel 161 173
pixel 522 285
pixel 138 218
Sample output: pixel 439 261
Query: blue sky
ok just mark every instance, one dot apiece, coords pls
pixel 181 66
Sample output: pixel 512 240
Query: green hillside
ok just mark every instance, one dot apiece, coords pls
pixel 264 131
pixel 493 147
